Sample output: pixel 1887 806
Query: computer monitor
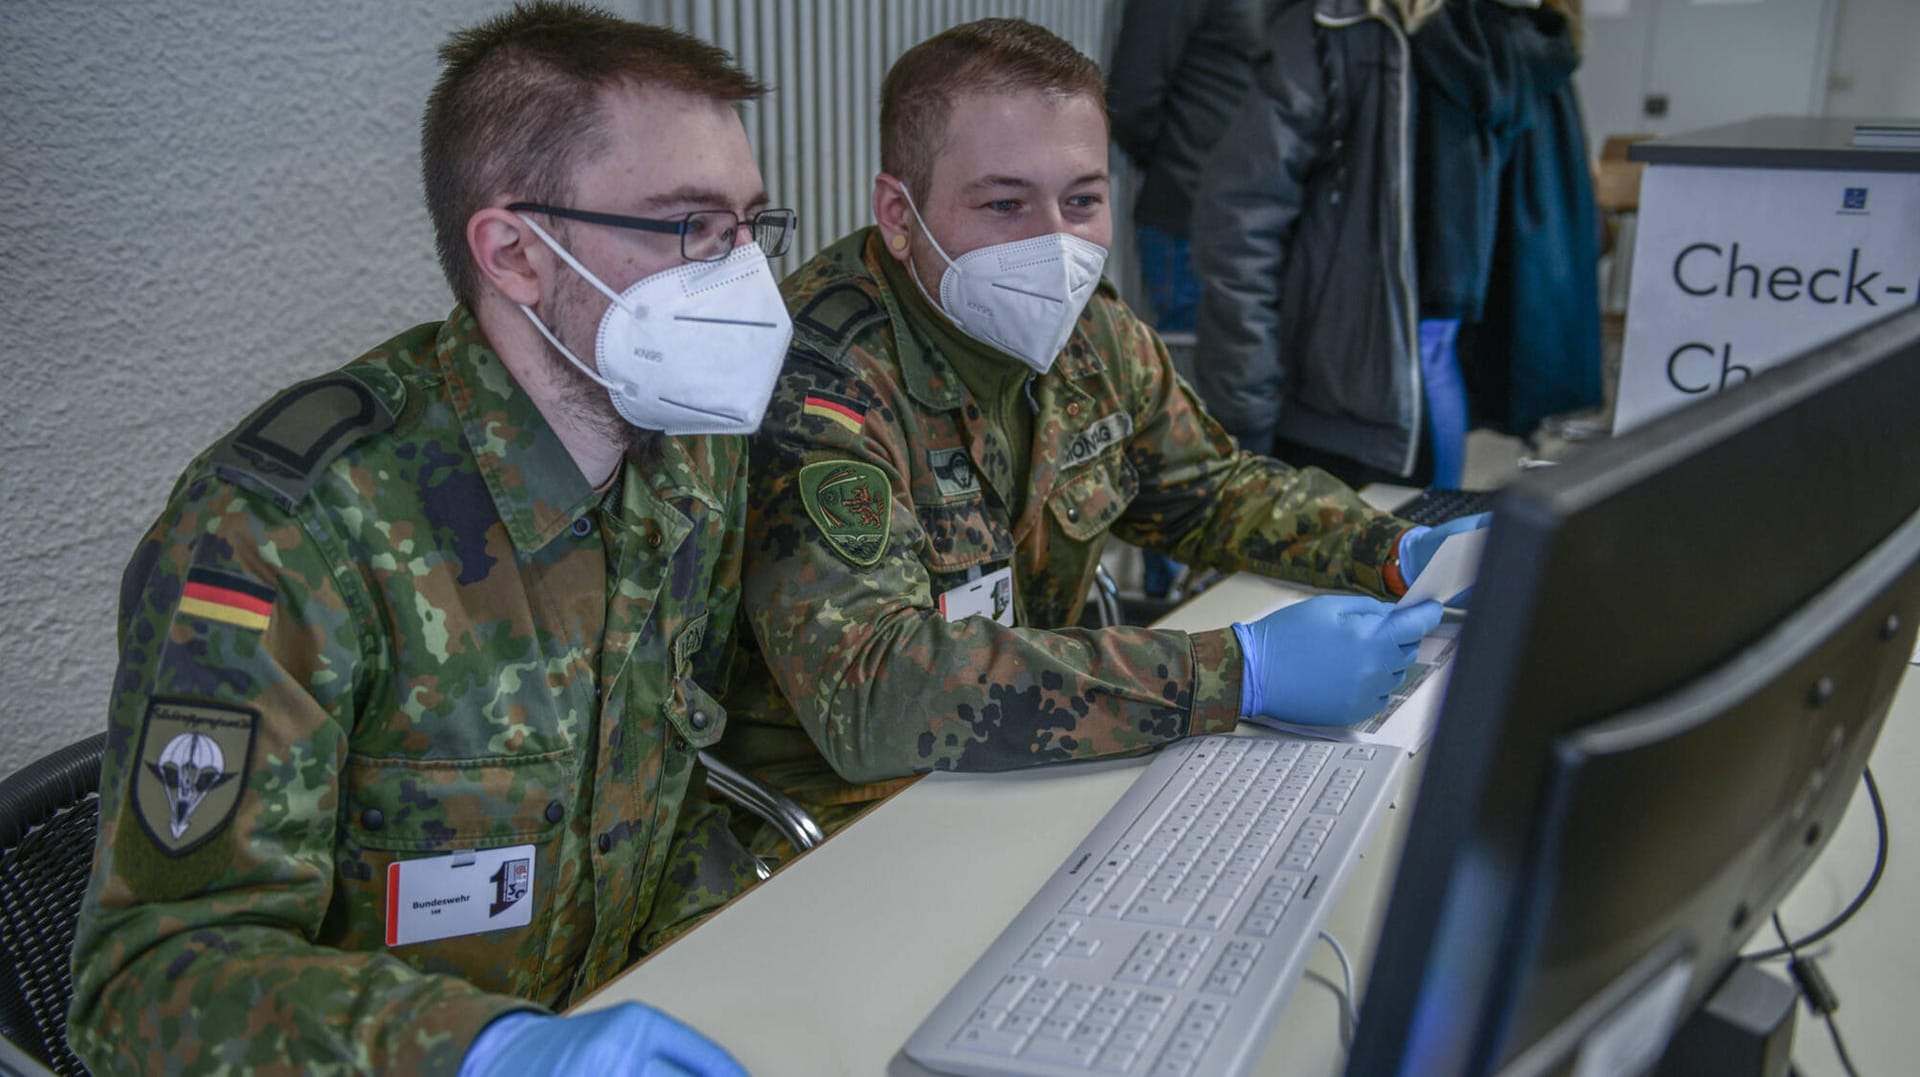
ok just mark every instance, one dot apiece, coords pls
pixel 1683 644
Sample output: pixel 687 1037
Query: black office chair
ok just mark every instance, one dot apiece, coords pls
pixel 49 812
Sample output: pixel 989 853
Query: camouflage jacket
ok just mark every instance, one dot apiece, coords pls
pixel 843 598
pixel 383 620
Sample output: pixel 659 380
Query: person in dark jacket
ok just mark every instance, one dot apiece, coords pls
pixel 1302 237
pixel 1505 223
pixel 1534 350
pixel 1180 68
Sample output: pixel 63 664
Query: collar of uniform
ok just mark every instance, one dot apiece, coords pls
pixel 537 489
pixel 671 471
pixel 929 378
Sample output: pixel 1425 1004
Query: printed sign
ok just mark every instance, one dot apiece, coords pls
pixel 1738 269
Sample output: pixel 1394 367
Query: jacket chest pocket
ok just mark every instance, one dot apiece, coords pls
pixel 695 715
pixel 1085 506
pixel 961 536
pixel 398 810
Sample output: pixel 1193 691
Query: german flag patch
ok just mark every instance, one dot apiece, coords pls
pixel 213 595
pixel 840 411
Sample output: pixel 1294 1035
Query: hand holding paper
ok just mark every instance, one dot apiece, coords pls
pixel 1331 660
pixel 1441 563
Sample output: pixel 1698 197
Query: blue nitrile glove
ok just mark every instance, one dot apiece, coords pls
pixel 1418 544
pixel 628 1038
pixel 1331 660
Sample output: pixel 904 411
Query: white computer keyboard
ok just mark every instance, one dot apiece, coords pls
pixel 1168 942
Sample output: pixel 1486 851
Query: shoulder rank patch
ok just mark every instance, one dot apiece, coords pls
pixel 285 445
pixel 213 595
pixel 193 765
pixel 849 501
pixel 837 410
pixel 830 318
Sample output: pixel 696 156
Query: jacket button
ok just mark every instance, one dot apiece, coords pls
pixel 556 812
pixel 606 842
pixel 372 819
pixel 699 720
pixel 1073 409
pixel 582 527
pixel 1334 197
pixel 1073 515
pixel 653 541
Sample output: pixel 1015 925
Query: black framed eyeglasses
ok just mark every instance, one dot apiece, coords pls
pixel 706 235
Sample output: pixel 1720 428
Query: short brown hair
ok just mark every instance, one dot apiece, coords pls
pixel 517 108
pixel 999 54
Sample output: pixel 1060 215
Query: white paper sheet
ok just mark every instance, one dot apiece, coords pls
pixel 1452 570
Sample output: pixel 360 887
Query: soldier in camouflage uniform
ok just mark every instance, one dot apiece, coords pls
pixel 908 464
pixel 441 611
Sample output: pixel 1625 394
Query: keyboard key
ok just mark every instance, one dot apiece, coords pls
pixel 1034 1006
pixel 988 1041
pixel 1008 990
pixel 1128 1037
pixel 1083 947
pixel 1048 988
pixel 1062 1051
pixel 1024 1024
pixel 1147 911
pixel 1036 958
pixel 1056 1028
pixel 1068 1009
pixel 1116 1060
pixel 1091 1034
pixel 1172 1067
pixel 1170 976
pixel 1199 1027
pixel 1209 1008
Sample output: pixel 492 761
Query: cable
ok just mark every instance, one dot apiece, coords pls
pixel 1348 1018
pixel 1873 881
pixel 1820 997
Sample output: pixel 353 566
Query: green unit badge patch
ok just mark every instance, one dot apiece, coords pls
pixel 850 501
pixel 193 765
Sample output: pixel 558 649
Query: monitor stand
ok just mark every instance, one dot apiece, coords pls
pixel 1744 1029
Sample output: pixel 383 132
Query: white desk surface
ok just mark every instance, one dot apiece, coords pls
pixel 826 968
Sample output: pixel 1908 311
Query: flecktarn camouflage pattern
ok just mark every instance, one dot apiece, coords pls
pixel 383 621
pixel 849 631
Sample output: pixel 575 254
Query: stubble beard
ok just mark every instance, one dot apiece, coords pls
pixel 584 400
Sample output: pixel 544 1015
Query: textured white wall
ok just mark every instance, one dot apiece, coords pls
pixel 200 203
pixel 1873 72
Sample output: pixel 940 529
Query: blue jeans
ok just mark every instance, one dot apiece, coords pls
pixel 1446 399
pixel 1167 271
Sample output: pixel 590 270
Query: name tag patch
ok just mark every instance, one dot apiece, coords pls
pixel 463 893
pixel 1086 444
pixel 990 596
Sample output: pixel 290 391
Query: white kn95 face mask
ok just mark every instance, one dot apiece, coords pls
pixel 695 349
pixel 1021 297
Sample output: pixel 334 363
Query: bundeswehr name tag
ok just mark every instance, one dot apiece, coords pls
pixel 990 596
pixel 463 893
